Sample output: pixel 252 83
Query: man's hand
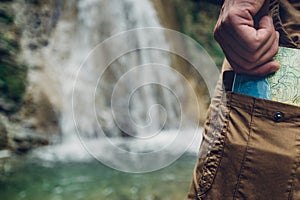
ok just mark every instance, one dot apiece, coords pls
pixel 247 36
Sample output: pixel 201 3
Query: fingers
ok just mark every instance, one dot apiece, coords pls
pixel 259 48
pixel 262 12
pixel 247 36
pixel 248 49
pixel 255 41
pixel 264 53
pixel 261 70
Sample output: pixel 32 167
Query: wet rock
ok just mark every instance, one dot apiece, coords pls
pixel 13 74
pixel 3 136
pixel 6 105
pixel 25 122
pixel 22 143
pixel 37 19
pixel 17 138
pixel 5 154
pixel 38 115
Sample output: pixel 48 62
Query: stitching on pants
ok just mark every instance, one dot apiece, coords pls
pixel 245 153
pixel 213 159
pixel 291 181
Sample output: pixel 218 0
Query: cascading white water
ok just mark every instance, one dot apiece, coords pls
pixel 97 90
pixel 98 20
pixel 69 58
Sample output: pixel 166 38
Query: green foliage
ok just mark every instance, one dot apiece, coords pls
pixel 13 75
pixel 5 17
pixel 12 81
pixel 8 46
pixel 197 19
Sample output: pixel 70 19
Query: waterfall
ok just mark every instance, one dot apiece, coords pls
pixel 99 92
pixel 98 21
pixel 151 108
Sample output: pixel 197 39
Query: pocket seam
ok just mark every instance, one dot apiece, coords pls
pixel 205 185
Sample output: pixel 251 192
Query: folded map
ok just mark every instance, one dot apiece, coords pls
pixel 282 86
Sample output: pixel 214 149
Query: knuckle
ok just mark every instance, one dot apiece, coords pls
pixel 216 32
pixel 230 18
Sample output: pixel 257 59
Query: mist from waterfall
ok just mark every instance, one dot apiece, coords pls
pixel 95 22
pixel 98 92
pixel 112 91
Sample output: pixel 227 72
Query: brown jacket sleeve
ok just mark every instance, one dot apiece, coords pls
pixel 286 17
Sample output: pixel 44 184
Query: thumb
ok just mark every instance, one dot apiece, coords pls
pixel 263 11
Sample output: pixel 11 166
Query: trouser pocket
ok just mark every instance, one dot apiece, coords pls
pixel 211 151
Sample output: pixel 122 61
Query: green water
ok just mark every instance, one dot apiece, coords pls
pixel 40 180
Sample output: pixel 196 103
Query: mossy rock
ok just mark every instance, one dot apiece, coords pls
pixel 8 50
pixel 6 14
pixel 3 136
pixel 12 81
pixel 13 75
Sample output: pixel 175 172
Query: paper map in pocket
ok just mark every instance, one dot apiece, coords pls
pixel 285 83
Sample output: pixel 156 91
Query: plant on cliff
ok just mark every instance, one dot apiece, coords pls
pixel 13 75
pixel 197 19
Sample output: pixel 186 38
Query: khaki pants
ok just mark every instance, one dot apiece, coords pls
pixel 250 150
pixel 251 147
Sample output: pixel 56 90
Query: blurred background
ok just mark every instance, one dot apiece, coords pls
pixel 56 105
